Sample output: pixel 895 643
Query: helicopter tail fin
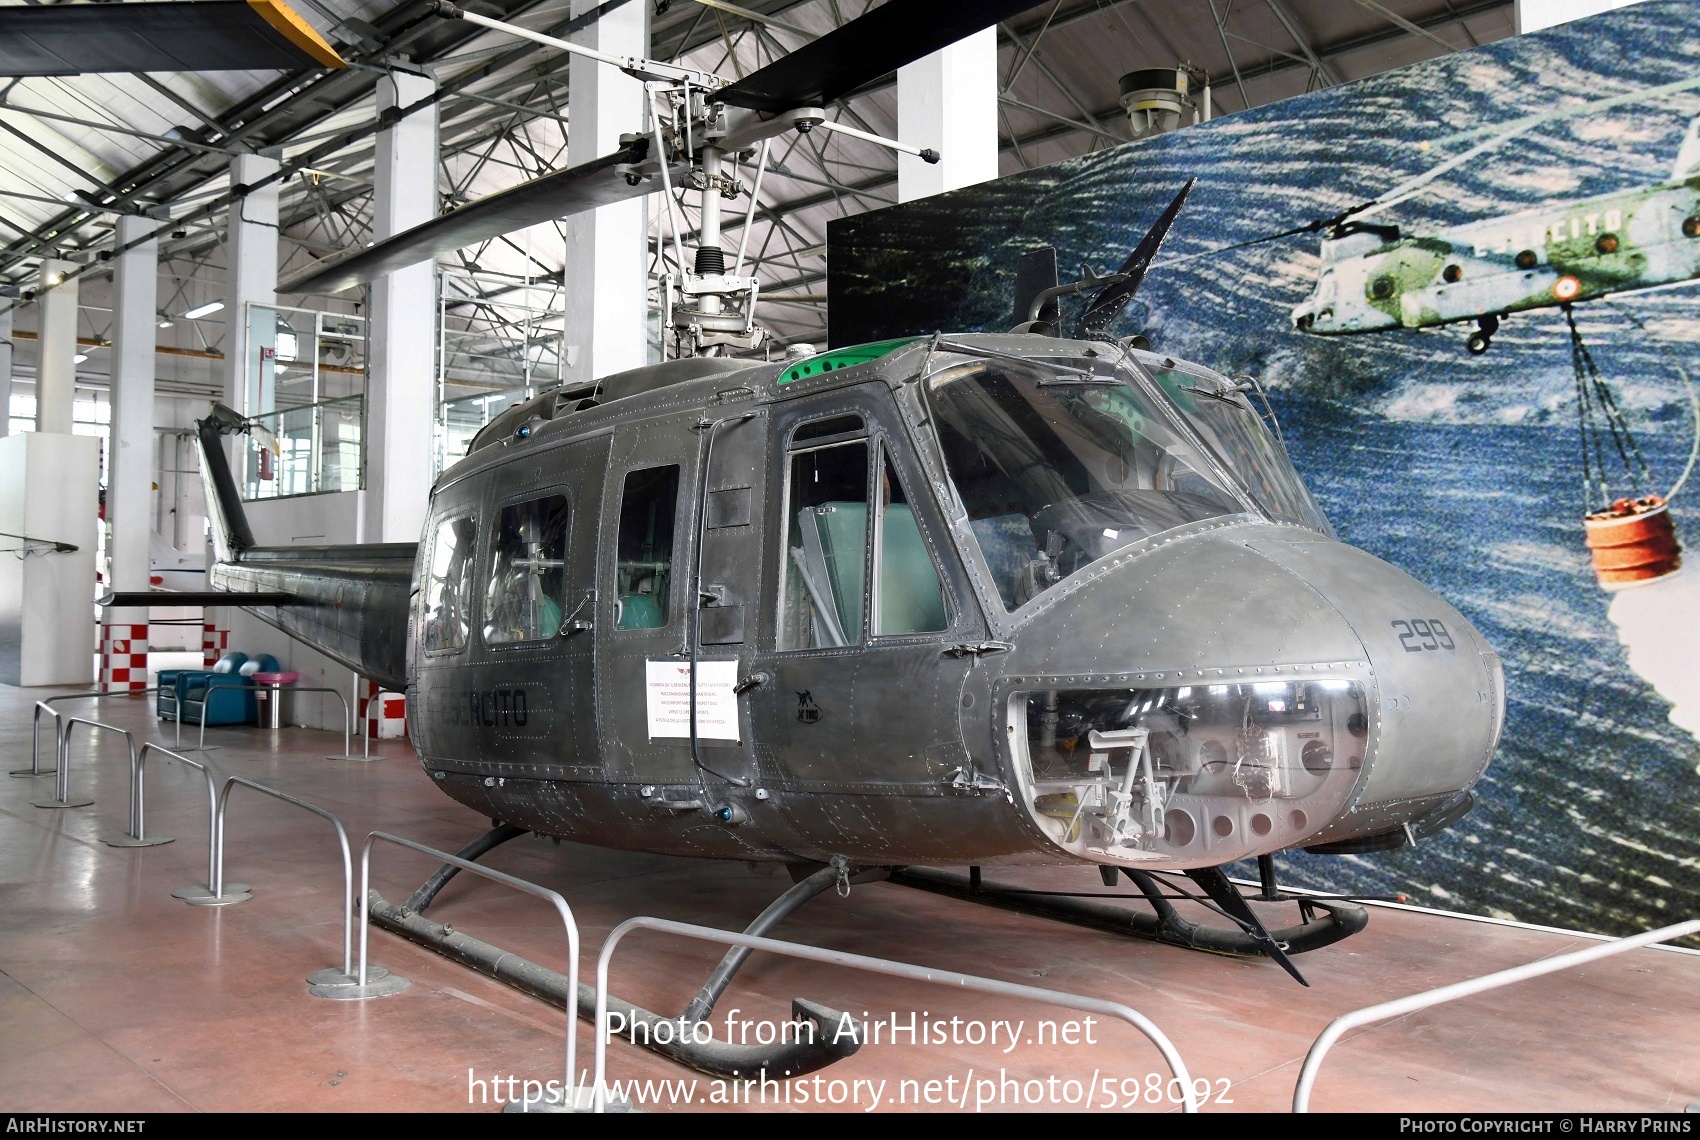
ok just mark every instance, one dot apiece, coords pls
pixel 1688 155
pixel 348 602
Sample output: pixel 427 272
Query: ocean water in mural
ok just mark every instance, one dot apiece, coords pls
pixel 1465 470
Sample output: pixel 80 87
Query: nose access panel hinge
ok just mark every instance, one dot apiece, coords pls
pixel 977 648
pixel 967 781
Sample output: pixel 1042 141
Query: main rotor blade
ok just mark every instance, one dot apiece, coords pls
pixel 896 33
pixel 191 35
pixel 1112 299
pixel 570 191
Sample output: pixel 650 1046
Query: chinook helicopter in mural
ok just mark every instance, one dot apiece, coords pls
pixel 952 601
pixel 1374 277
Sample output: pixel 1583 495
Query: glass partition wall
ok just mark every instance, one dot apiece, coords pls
pixel 498 344
pixel 305 402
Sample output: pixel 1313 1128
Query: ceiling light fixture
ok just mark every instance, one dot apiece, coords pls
pixel 203 310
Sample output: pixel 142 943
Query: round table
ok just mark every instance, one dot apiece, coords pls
pixel 274 683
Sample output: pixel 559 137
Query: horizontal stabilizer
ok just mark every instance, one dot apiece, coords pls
pixel 147 598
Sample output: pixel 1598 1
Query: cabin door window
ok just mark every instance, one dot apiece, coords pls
pixel 528 572
pixel 643 566
pixel 448 585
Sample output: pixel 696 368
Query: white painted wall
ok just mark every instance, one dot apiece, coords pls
pixel 1533 15
pixel 607 307
pixel 302 520
pixel 48 489
pixel 948 101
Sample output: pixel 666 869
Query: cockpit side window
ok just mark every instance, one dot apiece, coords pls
pixel 527 574
pixel 643 566
pixel 825 568
pixel 448 585
pixel 907 594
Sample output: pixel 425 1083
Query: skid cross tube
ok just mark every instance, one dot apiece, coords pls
pixel 206 695
pixel 62 774
pixel 569 1089
pixel 874 966
pixel 212 799
pixel 217 884
pixel 1468 988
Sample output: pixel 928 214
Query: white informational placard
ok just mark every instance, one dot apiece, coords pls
pixel 669 693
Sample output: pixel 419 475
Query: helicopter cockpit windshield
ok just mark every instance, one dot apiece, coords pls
pixel 1060 462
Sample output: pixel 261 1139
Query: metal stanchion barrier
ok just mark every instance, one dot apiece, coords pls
pixel 347 718
pixel 364 987
pixel 1188 1096
pixel 219 893
pixel 35 768
pixel 46 706
pixel 1400 1006
pixel 62 769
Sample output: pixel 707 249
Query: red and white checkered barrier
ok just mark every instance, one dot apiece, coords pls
pixel 384 713
pixel 214 643
pixel 123 656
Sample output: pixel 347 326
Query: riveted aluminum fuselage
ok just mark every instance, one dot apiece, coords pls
pixel 910 748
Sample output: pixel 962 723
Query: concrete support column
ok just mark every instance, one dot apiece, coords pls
pixel 400 393
pixel 1533 15
pixel 56 364
pixel 949 101
pixel 129 463
pixel 5 371
pixel 607 307
pixel 250 277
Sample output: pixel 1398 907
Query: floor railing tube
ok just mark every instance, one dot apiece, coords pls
pixel 1188 1096
pixel 149 747
pixel 570 1096
pixel 1468 988
pixel 35 768
pixel 62 767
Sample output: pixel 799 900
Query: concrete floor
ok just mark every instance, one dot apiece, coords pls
pixel 116 997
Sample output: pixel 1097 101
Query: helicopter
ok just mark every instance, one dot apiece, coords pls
pixel 972 600
pixel 1373 277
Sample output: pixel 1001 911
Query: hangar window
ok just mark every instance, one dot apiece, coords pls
pixel 643 567
pixel 448 585
pixel 527 572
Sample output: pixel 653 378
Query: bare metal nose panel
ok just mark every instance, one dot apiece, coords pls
pixel 1199 601
pixel 1440 707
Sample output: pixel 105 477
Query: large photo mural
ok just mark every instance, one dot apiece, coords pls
pixel 1471 289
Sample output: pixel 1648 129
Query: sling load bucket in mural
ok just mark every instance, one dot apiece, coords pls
pixel 1633 542
pixel 1632 539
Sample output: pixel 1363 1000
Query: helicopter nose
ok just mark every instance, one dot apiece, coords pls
pixel 1439 691
pixel 1289 689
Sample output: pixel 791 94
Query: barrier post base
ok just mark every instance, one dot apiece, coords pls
pixel 580 1100
pixel 27 774
pixel 357 759
pixel 201 896
pixel 331 976
pixel 125 839
pixel 45 802
pixel 384 987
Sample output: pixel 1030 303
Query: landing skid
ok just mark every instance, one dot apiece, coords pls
pixel 1322 922
pixel 655 1032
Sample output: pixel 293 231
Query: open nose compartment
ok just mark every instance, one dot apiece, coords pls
pixel 1190 775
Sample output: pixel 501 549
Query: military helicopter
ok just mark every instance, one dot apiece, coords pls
pixel 1373 277
pixel 971 600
